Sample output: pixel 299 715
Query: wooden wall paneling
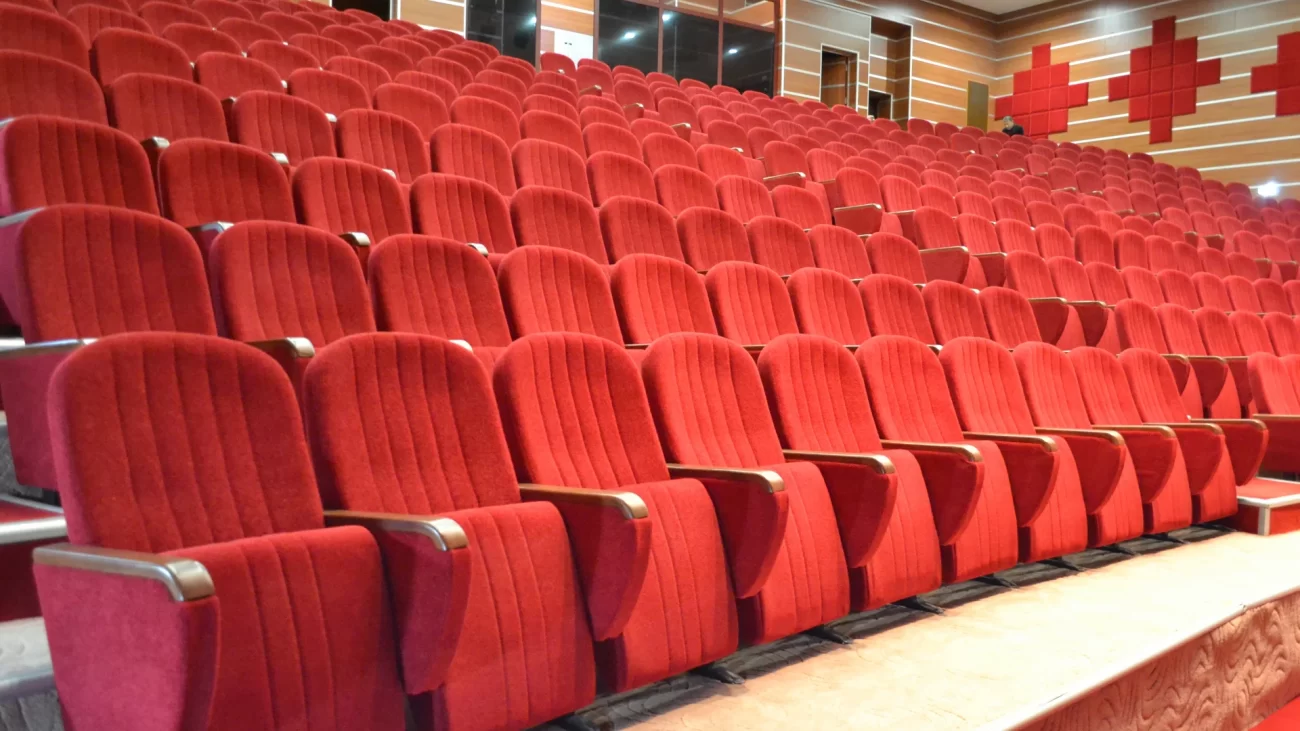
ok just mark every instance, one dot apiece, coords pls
pixel 446 14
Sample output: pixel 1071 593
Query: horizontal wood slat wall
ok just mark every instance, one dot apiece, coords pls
pixel 1233 136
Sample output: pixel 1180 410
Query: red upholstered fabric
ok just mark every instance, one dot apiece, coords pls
pixel 779 244
pixel 1143 286
pixel 55 293
pixel 117 51
pixel 750 303
pixel 281 123
pixel 239 498
pixel 148 105
pixel 384 140
pixel 659 150
pixel 332 92
pixel 203 181
pixel 971 501
pixel 1252 336
pixel 637 226
pixel 839 250
pixel 197 39
pixel 472 153
pixel 679 187
pixel 31 83
pixel 1109 482
pixel 1178 289
pixel 552 128
pixel 826 303
pixel 435 445
pixel 47 160
pixel 894 307
pixel 1272 380
pixel 1045 488
pixel 590 389
pixel 1009 317
pixel 285 24
pixel 228 75
pixel 546 289
pixel 1283 332
pixel 954 311
pixel 1161 470
pixel 718 162
pixel 488 116
pixel 808 585
pixel 462 209
pixel 744 198
pixel 611 175
pixel 1210 467
pixel 425 109
pixel 601 137
pixel 710 236
pixel 656 296
pixel 819 403
pixel 558 218
pixel 542 163
pixel 345 196
pixel 1139 327
pixel 278 280
pixel 890 253
pixel 801 205
pixel 42 33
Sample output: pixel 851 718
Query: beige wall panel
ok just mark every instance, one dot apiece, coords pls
pixel 435 15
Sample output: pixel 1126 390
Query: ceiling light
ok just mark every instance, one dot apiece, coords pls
pixel 669 16
pixel 1270 189
pixel 629 35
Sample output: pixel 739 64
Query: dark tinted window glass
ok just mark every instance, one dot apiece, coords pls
pixel 629 35
pixel 510 25
pixel 690 47
pixel 747 58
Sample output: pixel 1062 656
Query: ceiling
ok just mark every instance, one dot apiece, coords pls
pixel 998 7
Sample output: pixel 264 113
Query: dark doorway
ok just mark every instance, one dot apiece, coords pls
pixel 839 78
pixel 382 8
pixel 878 104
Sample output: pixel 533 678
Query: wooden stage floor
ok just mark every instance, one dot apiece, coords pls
pixel 1019 658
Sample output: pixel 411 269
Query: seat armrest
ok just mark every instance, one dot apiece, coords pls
pixel 593 90
pixel 1247 442
pixel 154 147
pixel 1154 450
pixel 1160 429
pixel 428 564
pixel 610 534
pixel 293 355
pixel 752 509
pixel 34 530
pixel 797 179
pixel 864 490
pixel 863 219
pixel 1203 446
pixel 947 263
pixel 24 384
pixel 152 616
pixel 205 234
pixel 1199 425
pixel 1181 368
pixel 682 130
pixel 480 248
pixel 954 478
pixel 1051 314
pixel 1031 468
pixel 1045 443
pixel 355 239
pixel 1100 456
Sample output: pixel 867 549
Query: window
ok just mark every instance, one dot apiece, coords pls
pixel 748 57
pixel 629 35
pixel 690 47
pixel 509 25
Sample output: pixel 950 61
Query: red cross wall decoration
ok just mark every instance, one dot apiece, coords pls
pixel 1042 96
pixel 1162 80
pixel 1282 77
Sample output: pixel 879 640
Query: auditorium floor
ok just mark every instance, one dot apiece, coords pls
pixel 995 654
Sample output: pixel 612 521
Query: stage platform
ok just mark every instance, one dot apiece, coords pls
pixel 1199 636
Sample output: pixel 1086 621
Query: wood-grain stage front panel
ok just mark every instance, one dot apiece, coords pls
pixel 1202 636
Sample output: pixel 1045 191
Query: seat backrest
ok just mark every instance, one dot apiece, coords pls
pixel 779 244
pixel 34 84
pixel 197 39
pixel 281 123
pixel 1272 297
pixel 554 217
pixel 228 75
pixel 424 109
pixel 660 149
pixel 817 395
pixel 48 160
pixel 549 164
pixel 1217 332
pixel 59 252
pixel 750 303
pixel 827 304
pixel 1272 383
pixel 436 286
pixel 656 296
pixel 801 206
pixel 1093 244
pixel 385 141
pixel 1051 387
pixel 1178 289
pixel 895 307
pixel 708 403
pixel 1029 275
pixel 840 250
pixel 546 290
pixel 278 280
pixel 709 236
pixel 433 441
pixel 908 390
pixel 1009 317
pixel 214 451
pixel 1241 292
pixel 462 209
pixel 1014 235
pixel 148 105
pixel 985 387
pixel 457 149
pixel 1107 285
pixel 935 228
pixel 680 187
pixel 899 194
pixel 345 196
pixel 611 175
pixel 954 311
pixel 1252 336
pixel 44 34
pixel 488 116
pixel 117 51
pixel 1143 286
pixel 601 137
pixel 636 226
pixel 1104 385
pixel 202 181
pixel 744 197
pixel 332 93
pixel 1138 326
pixel 593 390
pixel 892 254
pixel 1154 390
